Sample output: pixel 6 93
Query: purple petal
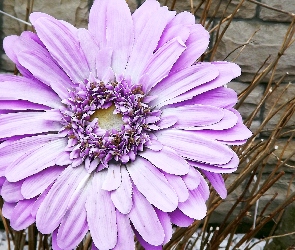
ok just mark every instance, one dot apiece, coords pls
pixel 21 124
pixel 196 43
pixel 178 26
pixel 229 120
pixel 54 241
pixel 144 244
pixel 11 191
pixel 20 88
pixel 73 226
pixel 113 178
pixel 162 61
pixel 97 21
pixel 103 61
pixel 13 149
pixel 167 160
pixel 21 217
pixel 21 105
pixel 148 28
pixel 63 46
pixel 39 62
pixel 166 224
pixel 180 82
pixel 145 220
pixel 226 168
pixel 180 219
pixel 221 97
pixel 227 71
pixel 7 209
pixel 203 189
pixel 152 184
pixel 217 182
pixel 237 133
pixel 54 206
pixel 196 148
pixel 37 183
pixel 86 42
pixel 167 121
pixel 9 46
pixel 119 33
pixel 179 186
pixel 194 115
pixel 122 196
pixel 195 206
pixel 101 211
pixel 35 161
pixel 192 179
pixel 125 233
pixel 39 201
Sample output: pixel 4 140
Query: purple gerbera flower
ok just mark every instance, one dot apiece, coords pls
pixel 114 129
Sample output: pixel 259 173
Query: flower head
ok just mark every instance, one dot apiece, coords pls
pixel 114 129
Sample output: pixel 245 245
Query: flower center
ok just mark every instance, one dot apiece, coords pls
pixel 107 119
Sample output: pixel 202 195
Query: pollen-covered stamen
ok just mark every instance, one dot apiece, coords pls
pixel 107 121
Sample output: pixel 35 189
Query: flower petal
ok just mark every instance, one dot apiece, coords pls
pixel 13 149
pixel 167 160
pixel 101 211
pixel 11 191
pixel 179 186
pixel 194 115
pixel 125 234
pixel 21 217
pixel 87 42
pixel 7 209
pixel 35 160
pixel 20 88
pixel 122 196
pixel 192 179
pixel 180 82
pixel 73 226
pixel 180 219
pixel 37 183
pixel 227 71
pixel 178 26
pixel 119 33
pixel 145 220
pixel 221 97
pixel 21 105
pixel 148 28
pixel 195 206
pixel 217 182
pixel 196 148
pixel 42 66
pixel 166 224
pixel 237 133
pixel 63 46
pixel 113 178
pixel 162 61
pixel 196 43
pixel 54 206
pixel 152 184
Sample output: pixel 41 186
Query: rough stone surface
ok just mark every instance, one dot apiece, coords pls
pixel 247 10
pixel 272 15
pixel 280 97
pixel 285 227
pixel 251 101
pixel 263 45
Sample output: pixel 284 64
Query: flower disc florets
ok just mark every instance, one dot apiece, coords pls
pixel 91 138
